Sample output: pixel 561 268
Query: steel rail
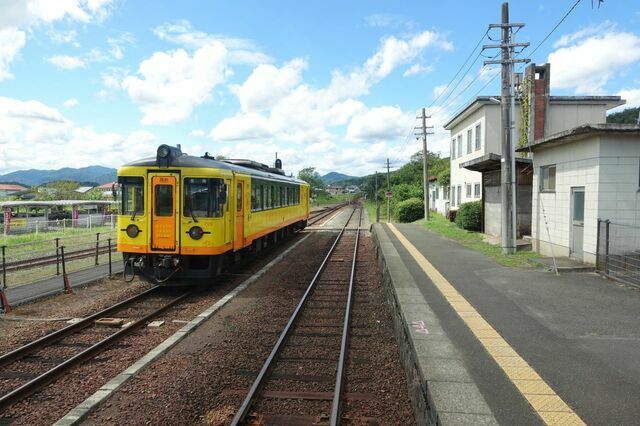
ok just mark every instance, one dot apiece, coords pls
pixel 31 347
pixel 45 378
pixel 51 259
pixel 325 213
pixel 255 387
pixel 336 406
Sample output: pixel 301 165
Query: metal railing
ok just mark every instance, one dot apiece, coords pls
pixel 618 251
pixel 37 225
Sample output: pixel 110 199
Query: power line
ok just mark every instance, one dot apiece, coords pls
pixel 555 28
pixel 460 68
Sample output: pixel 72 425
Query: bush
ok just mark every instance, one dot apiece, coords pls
pixel 410 210
pixel 468 216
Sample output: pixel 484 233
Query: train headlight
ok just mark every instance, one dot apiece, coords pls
pixel 132 231
pixel 196 232
pixel 163 151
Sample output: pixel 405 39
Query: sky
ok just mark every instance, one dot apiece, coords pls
pixel 334 85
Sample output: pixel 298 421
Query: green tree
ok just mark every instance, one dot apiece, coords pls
pixel 312 177
pixel 628 116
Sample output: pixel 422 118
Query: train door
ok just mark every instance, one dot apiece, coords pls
pixel 164 216
pixel 238 240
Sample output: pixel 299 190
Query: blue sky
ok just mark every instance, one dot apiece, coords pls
pixel 330 84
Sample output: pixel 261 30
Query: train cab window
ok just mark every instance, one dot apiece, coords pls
pixel 204 197
pixel 163 200
pixel 132 195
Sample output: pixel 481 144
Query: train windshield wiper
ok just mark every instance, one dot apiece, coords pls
pixel 135 212
pixel 190 207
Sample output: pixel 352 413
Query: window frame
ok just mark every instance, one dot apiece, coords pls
pixel 548 168
pixel 478 136
pixel 136 182
pixel 469 137
pixel 476 194
pixel 468 190
pixel 215 209
pixel 453 148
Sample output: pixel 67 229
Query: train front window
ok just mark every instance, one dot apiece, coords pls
pixel 164 200
pixel 204 197
pixel 132 201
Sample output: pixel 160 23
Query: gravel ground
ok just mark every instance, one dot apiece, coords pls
pixel 23 324
pixel 55 400
pixel 204 379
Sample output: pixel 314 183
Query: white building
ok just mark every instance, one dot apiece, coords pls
pixel 580 175
pixel 476 130
pixel 438 196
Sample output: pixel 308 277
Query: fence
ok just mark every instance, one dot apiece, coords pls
pixel 40 260
pixel 618 251
pixel 35 225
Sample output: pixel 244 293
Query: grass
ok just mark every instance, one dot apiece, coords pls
pixel 473 240
pixel 371 209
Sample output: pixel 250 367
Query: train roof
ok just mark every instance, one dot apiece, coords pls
pixel 186 160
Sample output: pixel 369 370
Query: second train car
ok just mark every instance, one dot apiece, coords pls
pixel 181 215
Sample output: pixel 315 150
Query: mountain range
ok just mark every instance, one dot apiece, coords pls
pixel 334 177
pixel 31 177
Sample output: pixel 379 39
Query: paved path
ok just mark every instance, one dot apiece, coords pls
pixel 579 332
pixel 49 287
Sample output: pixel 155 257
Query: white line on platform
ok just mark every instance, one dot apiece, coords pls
pixel 330 219
pixel 84 408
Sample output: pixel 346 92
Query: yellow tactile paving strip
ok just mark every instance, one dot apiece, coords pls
pixel 544 401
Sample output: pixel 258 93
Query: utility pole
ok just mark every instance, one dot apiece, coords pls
pixel 388 191
pixel 377 200
pixel 507 166
pixel 425 161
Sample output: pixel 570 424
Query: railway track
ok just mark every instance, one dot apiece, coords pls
pixel 31 367
pixel 313 219
pixel 304 373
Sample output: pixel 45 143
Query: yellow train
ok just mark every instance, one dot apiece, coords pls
pixel 183 215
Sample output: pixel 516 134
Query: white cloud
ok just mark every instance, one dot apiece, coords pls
pixel 275 102
pixel 267 85
pixel 58 141
pixel 60 37
pixel 16 17
pixel 170 84
pixel 197 133
pixel 240 50
pixel 11 41
pixel 585 32
pixel 417 69
pixel 67 62
pixel 380 124
pixel 117 44
pixel 386 20
pixel 632 96
pixel 592 60
pixel 70 103
pixel 439 90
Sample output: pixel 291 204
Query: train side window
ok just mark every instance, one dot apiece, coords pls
pixel 254 201
pixel 261 197
pixel 281 195
pixel 239 197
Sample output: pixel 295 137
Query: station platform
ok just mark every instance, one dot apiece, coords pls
pixel 487 344
pixel 52 286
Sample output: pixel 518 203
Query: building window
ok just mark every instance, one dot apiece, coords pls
pixel 437 192
pixel 468 188
pixel 476 190
pixel 478 136
pixel 453 196
pixel 459 194
pixel 453 148
pixel 469 141
pixel 459 145
pixel 548 178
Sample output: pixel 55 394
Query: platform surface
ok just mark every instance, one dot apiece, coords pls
pixel 578 333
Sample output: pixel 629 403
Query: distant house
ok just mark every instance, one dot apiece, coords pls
pixel 107 189
pixel 10 189
pixel 335 189
pixel 438 196
pixel 83 189
pixel 579 175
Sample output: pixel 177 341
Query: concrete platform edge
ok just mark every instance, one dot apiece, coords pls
pixel 82 410
pixel 440 387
